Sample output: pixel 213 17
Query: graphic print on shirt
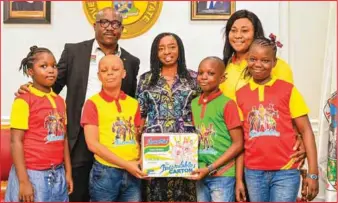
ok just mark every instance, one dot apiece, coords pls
pixel 205 135
pixel 262 121
pixel 54 123
pixel 124 131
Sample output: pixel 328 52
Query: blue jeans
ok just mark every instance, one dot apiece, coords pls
pixel 216 189
pixel 48 185
pixel 108 184
pixel 272 186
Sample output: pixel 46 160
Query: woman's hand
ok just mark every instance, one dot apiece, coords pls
pixel 23 89
pixel 300 153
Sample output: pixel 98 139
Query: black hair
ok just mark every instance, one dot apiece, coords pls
pixel 156 65
pixel 28 62
pixel 264 42
pixel 228 51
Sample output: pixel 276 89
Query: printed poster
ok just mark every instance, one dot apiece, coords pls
pixel 169 155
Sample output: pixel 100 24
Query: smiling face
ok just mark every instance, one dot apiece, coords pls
pixel 108 36
pixel 111 72
pixel 210 75
pixel 44 71
pixel 261 60
pixel 241 35
pixel 168 50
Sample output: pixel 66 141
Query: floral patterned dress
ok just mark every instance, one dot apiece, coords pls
pixel 168 109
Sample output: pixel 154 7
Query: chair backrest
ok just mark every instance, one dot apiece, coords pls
pixel 6 158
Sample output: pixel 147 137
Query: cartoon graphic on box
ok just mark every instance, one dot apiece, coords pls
pixel 169 155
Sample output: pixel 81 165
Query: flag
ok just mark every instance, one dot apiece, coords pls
pixel 327 155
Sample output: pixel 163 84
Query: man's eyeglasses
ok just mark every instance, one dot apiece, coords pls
pixel 105 23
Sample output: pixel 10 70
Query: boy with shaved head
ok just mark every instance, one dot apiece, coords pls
pixel 110 120
pixel 217 121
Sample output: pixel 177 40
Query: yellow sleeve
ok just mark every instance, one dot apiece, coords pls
pixel 19 114
pixel 297 104
pixel 283 71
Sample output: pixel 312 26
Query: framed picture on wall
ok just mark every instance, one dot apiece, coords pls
pixel 27 12
pixel 212 10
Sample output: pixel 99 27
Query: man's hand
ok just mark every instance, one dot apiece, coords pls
pixel 69 181
pixel 199 174
pixel 26 193
pixel 134 169
pixel 300 153
pixel 23 89
pixel 240 192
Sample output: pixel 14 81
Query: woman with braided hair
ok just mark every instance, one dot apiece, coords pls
pixel 165 94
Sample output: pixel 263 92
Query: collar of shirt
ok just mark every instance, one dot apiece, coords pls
pixel 108 98
pixel 203 100
pixel 254 85
pixel 96 48
pixel 39 93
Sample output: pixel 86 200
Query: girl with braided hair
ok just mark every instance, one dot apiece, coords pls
pixel 41 170
pixel 271 173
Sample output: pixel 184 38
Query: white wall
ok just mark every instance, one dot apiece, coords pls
pixel 307 21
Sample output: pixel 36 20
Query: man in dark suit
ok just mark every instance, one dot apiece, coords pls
pixel 78 67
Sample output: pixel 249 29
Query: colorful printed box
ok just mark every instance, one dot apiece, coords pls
pixel 169 155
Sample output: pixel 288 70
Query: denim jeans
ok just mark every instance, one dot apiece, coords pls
pixel 108 184
pixel 216 189
pixel 48 185
pixel 272 186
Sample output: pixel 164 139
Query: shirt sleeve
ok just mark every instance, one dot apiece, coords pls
pixel 20 114
pixel 240 113
pixel 89 114
pixel 297 104
pixel 231 115
pixel 137 117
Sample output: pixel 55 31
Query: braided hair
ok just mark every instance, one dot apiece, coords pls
pixel 264 42
pixel 28 62
pixel 156 65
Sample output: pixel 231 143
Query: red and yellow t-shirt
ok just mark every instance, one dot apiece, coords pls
pixel 43 118
pixel 117 120
pixel 267 113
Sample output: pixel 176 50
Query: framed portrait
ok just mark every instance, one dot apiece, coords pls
pixel 27 12
pixel 212 10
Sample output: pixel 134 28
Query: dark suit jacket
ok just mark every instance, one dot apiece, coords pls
pixel 73 69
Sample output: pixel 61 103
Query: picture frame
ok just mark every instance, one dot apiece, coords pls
pixel 27 12
pixel 212 10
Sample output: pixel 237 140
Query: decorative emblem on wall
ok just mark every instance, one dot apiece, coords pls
pixel 138 16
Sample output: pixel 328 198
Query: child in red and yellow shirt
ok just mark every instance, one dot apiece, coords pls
pixel 41 171
pixel 110 120
pixel 269 107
